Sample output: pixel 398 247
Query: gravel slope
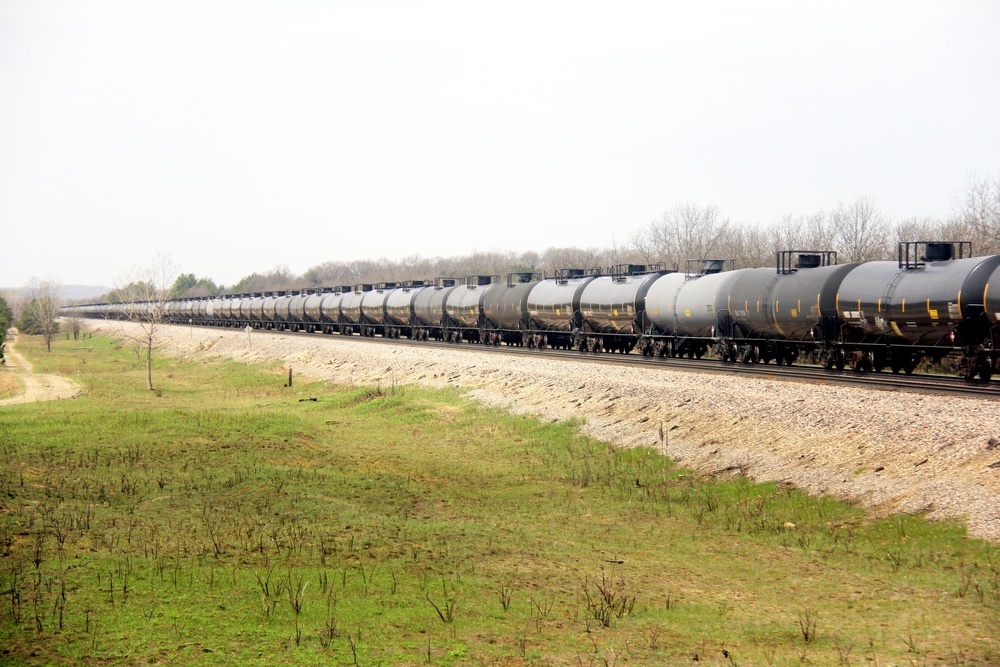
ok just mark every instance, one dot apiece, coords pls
pixel 891 451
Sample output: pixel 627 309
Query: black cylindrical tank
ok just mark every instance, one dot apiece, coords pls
pixel 428 306
pixel 201 309
pixel 801 299
pixel 373 303
pixel 268 307
pixel 330 306
pixel 245 302
pixel 257 308
pixel 554 303
pixel 399 303
pixel 919 304
pixel 464 304
pixel 350 303
pixel 610 304
pixel 311 306
pixel 991 297
pixel 297 308
pixel 506 304
pixel 282 301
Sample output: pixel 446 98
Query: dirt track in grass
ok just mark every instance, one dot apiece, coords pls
pixel 37 386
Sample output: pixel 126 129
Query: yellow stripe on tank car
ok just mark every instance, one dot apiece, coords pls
pixel 896 329
pixel 960 302
pixel 985 290
pixel 880 305
pixel 904 305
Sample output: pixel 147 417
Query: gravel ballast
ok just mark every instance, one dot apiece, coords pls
pixel 890 451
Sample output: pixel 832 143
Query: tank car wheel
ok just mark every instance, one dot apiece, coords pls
pixel 879 361
pixel 863 363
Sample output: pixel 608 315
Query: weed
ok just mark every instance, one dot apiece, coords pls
pixel 445 610
pixel 807 624
pixel 606 598
pixel 505 592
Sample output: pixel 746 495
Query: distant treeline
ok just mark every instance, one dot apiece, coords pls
pixel 857 231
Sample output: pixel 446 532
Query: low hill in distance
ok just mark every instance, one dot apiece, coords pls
pixel 70 292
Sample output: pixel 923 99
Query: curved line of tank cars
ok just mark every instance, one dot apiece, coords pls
pixel 936 301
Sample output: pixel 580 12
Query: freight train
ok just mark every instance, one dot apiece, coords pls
pixel 934 302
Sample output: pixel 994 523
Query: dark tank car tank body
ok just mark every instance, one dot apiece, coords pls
pixel 612 307
pixel 350 308
pixel 373 309
pixel 464 308
pixel 505 309
pixel 429 309
pixel 553 308
pixel 776 314
pixel 399 312
pixel 928 303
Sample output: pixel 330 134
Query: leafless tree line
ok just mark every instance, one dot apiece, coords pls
pixel 858 230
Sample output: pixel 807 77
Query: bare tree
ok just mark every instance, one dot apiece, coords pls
pixel 572 257
pixel 979 209
pixel 928 229
pixel 684 232
pixel 42 310
pixel 861 231
pixel 145 296
pixel 748 245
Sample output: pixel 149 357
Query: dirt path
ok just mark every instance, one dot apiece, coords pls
pixel 37 386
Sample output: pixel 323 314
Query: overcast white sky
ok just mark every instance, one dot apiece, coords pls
pixel 240 135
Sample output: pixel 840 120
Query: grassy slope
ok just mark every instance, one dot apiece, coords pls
pixel 189 528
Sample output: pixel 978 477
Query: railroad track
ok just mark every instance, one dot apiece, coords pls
pixel 919 383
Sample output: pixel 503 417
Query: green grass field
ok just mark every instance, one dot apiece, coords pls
pixel 233 520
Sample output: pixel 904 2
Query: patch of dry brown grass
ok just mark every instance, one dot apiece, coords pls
pixel 10 384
